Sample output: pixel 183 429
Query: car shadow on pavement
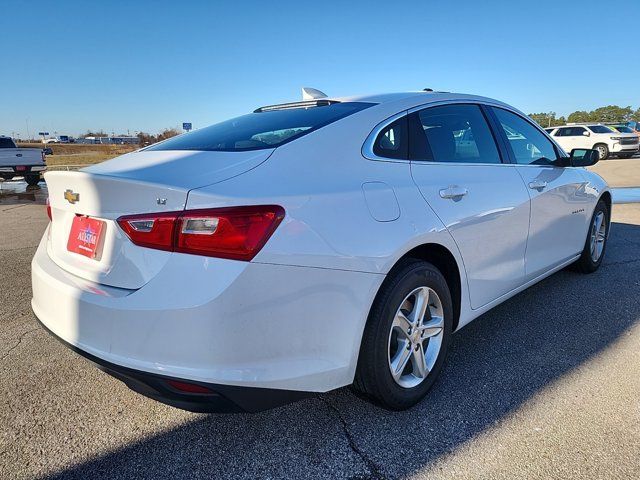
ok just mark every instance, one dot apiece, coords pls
pixel 496 364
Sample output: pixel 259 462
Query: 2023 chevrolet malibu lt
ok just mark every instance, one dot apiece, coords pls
pixel 311 245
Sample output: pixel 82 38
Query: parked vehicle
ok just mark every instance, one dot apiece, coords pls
pixel 597 136
pixel 634 125
pixel 620 128
pixel 311 245
pixel 629 127
pixel 59 139
pixel 25 162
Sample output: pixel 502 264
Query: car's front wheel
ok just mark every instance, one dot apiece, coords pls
pixel 406 337
pixel 603 151
pixel 596 242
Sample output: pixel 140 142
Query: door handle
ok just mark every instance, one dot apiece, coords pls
pixel 537 185
pixel 454 192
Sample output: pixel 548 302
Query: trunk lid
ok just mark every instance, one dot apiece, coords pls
pixel 140 182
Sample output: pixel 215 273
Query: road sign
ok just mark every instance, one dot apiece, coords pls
pixel 186 126
pixel 43 133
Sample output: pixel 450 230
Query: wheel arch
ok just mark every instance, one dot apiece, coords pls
pixel 608 200
pixel 441 258
pixel 595 146
pixel 606 196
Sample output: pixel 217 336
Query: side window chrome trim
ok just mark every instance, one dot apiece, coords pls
pixel 367 147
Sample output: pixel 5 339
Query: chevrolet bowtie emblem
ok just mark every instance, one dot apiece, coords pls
pixel 71 197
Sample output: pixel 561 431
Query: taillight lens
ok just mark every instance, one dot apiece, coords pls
pixel 49 210
pixel 237 233
pixel 150 230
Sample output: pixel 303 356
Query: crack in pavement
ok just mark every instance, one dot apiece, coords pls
pixel 374 470
pixel 24 334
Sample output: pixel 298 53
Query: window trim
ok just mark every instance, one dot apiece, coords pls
pixel 367 146
pixel 369 143
pixel 511 155
pixel 403 152
pixel 481 107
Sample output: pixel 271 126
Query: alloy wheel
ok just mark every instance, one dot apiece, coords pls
pixel 416 337
pixel 598 236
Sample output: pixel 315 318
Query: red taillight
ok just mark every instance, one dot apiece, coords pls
pixel 236 233
pixel 188 387
pixel 49 210
pixel 150 230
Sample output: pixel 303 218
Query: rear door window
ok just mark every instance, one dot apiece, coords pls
pixel 265 129
pixel 452 133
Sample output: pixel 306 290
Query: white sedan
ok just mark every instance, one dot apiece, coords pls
pixel 311 245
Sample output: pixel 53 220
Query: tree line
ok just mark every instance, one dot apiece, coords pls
pixel 144 137
pixel 608 114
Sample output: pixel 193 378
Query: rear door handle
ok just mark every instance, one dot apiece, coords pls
pixel 453 192
pixel 537 185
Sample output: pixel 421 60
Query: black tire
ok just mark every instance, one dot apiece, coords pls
pixel 603 151
pixel 32 179
pixel 586 263
pixel 373 375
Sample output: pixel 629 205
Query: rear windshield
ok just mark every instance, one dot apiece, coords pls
pixel 267 129
pixel 6 143
pixel 600 129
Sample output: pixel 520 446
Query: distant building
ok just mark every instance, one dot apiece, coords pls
pixel 121 140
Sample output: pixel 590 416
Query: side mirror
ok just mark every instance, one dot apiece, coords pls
pixel 583 157
pixel 586 133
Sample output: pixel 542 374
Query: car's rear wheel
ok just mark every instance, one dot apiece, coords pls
pixel 603 151
pixel 596 241
pixel 406 337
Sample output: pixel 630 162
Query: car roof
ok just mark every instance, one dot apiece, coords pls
pixel 418 97
pixel 387 104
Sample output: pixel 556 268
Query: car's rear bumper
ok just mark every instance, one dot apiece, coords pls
pixel 15 170
pixel 221 399
pixel 215 322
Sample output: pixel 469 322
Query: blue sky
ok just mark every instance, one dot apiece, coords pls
pixel 70 65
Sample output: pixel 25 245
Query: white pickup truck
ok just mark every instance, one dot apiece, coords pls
pixel 25 162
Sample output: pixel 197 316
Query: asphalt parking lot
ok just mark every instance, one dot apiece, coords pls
pixel 544 386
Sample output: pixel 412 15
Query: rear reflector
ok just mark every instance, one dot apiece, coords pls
pixel 49 210
pixel 237 233
pixel 188 387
